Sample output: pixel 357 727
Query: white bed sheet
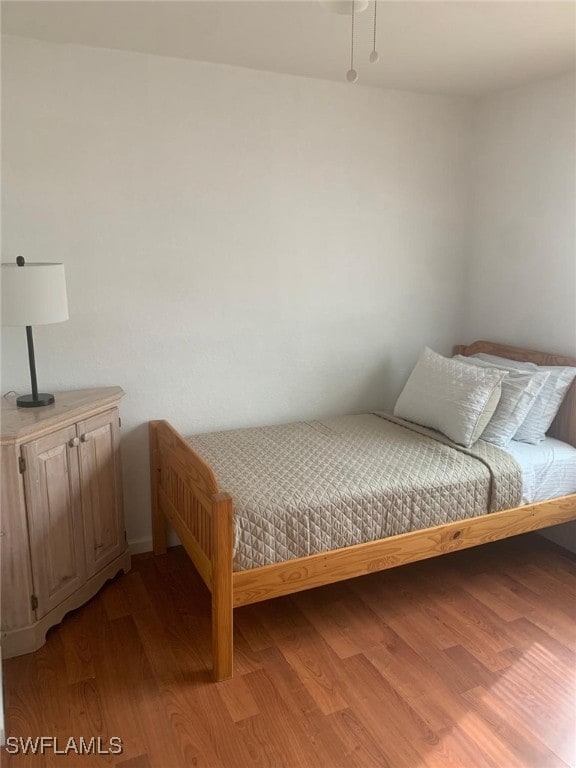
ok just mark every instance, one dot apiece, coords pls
pixel 548 469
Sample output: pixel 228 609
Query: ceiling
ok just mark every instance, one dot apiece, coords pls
pixel 454 46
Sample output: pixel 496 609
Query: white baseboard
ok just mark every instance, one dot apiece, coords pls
pixel 138 546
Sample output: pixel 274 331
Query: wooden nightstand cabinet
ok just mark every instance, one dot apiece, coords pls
pixel 62 524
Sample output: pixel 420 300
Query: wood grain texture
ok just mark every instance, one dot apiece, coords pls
pixel 103 498
pixel 54 512
pixel 199 475
pixel 222 627
pixel 365 682
pixel 315 570
pixel 171 513
pixel 20 423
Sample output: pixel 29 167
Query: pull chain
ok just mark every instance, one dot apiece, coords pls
pixel 352 75
pixel 374 57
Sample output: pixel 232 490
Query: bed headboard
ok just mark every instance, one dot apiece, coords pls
pixel 564 425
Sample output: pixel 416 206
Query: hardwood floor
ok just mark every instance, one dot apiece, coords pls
pixel 464 661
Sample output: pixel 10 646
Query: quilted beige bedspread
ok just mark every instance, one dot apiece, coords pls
pixel 310 487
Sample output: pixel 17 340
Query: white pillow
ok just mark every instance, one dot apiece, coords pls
pixel 519 392
pixel 453 397
pixel 534 427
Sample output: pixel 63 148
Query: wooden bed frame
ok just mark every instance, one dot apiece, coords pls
pixel 185 493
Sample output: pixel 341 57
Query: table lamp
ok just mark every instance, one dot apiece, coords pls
pixel 33 294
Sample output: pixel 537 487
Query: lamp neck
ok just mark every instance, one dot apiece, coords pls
pixel 32 362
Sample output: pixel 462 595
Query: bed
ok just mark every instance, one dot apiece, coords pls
pixel 187 495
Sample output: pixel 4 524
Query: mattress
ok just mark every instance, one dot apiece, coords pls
pixel 548 469
pixel 308 487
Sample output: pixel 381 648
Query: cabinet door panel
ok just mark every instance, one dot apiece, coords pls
pixel 101 489
pixel 54 517
pixel 15 573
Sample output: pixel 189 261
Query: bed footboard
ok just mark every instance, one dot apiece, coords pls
pixel 185 493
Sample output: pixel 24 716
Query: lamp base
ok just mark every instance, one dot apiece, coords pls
pixel 28 401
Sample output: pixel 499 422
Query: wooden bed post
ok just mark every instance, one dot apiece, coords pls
pixel 158 519
pixel 222 611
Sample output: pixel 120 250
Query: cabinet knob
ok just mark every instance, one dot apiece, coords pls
pixel 73 442
pixel 85 437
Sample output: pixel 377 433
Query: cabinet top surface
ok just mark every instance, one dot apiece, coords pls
pixel 17 423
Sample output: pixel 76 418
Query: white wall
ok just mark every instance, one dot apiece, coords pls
pixel 241 248
pixel 521 285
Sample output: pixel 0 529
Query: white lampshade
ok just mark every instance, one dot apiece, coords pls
pixel 34 294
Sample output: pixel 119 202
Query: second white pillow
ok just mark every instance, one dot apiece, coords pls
pixel 519 392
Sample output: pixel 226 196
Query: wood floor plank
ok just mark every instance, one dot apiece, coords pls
pixel 545 583
pixel 458 668
pixel 477 620
pixel 294 740
pixel 291 695
pixel 315 665
pixel 466 661
pixel 409 674
pixel 348 626
pixel 247 623
pixel 452 631
pixel 533 697
pixel 245 659
pixel 396 728
pixel 158 645
pixel 76 648
pixel 237 699
pixel 556 611
pixel 533 753
pixel 211 714
pixel 456 747
pixel 361 746
pixel 125 595
pixel 129 693
pixel 329 622
pixel 557 659
pixel 188 725
pixel 141 761
pixel 465 669
pixel 490 591
pixel 288 686
pixel 306 651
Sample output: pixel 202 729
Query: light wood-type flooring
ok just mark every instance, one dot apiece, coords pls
pixel 466 660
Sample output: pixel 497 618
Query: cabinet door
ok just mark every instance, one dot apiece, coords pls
pixel 100 477
pixel 54 509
